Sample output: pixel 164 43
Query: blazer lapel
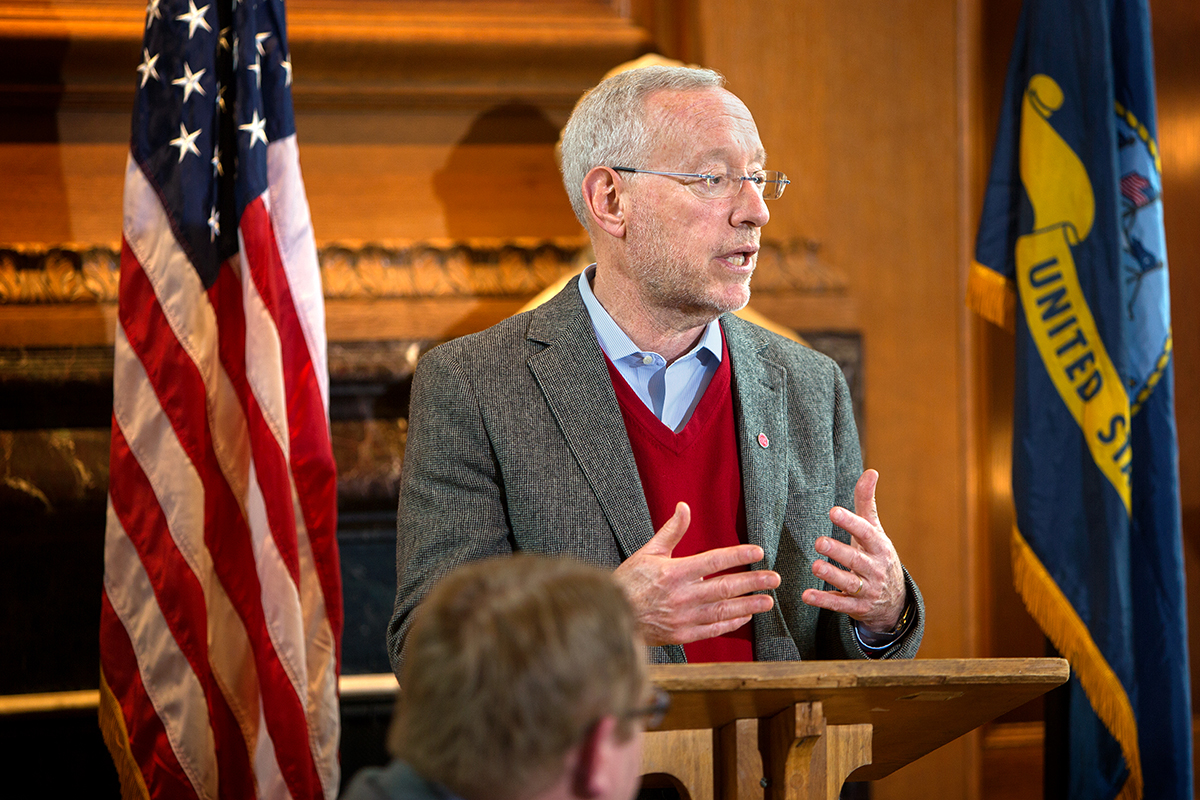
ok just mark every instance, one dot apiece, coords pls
pixel 760 406
pixel 571 373
pixel 761 412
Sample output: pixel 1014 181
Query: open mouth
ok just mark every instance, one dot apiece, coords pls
pixel 740 258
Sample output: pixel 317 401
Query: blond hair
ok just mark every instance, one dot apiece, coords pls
pixel 509 663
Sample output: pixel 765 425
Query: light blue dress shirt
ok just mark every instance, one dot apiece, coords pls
pixel 670 391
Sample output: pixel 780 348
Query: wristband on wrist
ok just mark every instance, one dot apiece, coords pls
pixel 902 623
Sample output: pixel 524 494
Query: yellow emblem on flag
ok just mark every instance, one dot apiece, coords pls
pixel 1057 312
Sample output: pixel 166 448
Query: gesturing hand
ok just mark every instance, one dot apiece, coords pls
pixel 871 586
pixel 672 598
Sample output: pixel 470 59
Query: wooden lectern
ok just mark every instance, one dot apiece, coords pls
pixel 798 730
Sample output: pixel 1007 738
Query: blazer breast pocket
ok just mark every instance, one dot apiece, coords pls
pixel 806 518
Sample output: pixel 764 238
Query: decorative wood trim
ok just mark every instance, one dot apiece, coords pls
pixel 65 295
pixel 516 267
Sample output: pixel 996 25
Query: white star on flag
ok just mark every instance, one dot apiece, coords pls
pixel 287 67
pixel 256 68
pixel 259 38
pixel 152 12
pixel 190 82
pixel 214 224
pixel 194 18
pixel 187 141
pixel 218 169
pixel 257 129
pixel 147 67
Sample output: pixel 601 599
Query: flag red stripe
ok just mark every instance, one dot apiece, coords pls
pixel 269 462
pixel 150 747
pixel 179 594
pixel 226 534
pixel 311 457
pixel 181 601
pixel 167 366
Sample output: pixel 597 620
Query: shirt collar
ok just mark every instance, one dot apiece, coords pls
pixel 616 344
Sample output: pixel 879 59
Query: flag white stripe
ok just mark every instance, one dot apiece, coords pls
pixel 287 204
pixel 279 597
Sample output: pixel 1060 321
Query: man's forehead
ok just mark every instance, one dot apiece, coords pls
pixel 709 119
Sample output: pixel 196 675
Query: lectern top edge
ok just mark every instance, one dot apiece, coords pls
pixel 829 674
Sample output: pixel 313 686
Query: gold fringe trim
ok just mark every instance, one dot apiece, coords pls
pixel 992 296
pixel 1057 618
pixel 116 736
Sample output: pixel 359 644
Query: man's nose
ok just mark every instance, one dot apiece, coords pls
pixel 749 206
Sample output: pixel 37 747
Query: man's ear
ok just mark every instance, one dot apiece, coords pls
pixel 595 761
pixel 602 195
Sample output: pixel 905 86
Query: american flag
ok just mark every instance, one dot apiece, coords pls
pixel 221 616
pixel 1137 189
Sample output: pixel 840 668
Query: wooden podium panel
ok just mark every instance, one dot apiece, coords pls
pixel 912 707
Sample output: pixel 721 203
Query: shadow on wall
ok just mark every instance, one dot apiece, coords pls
pixel 501 178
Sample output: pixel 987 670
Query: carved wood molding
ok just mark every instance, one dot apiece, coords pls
pixel 33 274
pixel 426 291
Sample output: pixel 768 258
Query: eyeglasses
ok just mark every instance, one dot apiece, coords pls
pixel 654 712
pixel 767 182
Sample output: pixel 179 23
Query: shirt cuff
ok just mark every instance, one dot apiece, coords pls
pixel 875 643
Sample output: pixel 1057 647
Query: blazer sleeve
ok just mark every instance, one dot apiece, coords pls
pixel 836 636
pixel 451 509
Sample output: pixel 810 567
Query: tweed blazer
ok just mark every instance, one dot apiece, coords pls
pixel 516 442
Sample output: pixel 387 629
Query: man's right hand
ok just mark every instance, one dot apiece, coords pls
pixel 673 601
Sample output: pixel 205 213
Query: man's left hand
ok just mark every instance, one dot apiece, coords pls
pixel 871 586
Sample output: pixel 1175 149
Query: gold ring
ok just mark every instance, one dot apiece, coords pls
pixel 861 583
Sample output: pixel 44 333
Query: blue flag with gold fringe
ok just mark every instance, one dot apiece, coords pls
pixel 1071 256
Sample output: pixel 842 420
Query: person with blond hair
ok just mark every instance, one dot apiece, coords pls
pixel 525 679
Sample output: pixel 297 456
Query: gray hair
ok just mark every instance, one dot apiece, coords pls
pixel 608 125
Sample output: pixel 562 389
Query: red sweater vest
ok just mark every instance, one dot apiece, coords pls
pixel 698 465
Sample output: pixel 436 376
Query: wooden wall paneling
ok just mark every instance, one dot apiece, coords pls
pixel 1177 65
pixel 416 120
pixel 1012 746
pixel 860 102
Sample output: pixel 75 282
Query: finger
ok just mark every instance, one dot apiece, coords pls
pixel 864 497
pixel 862 533
pixel 720 559
pixel 715 629
pixel 851 558
pixel 835 601
pixel 734 584
pixel 850 582
pixel 738 607
pixel 669 535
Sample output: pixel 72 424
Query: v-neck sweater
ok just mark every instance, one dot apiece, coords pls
pixel 698 465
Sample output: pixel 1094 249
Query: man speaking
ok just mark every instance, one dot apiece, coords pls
pixel 635 423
